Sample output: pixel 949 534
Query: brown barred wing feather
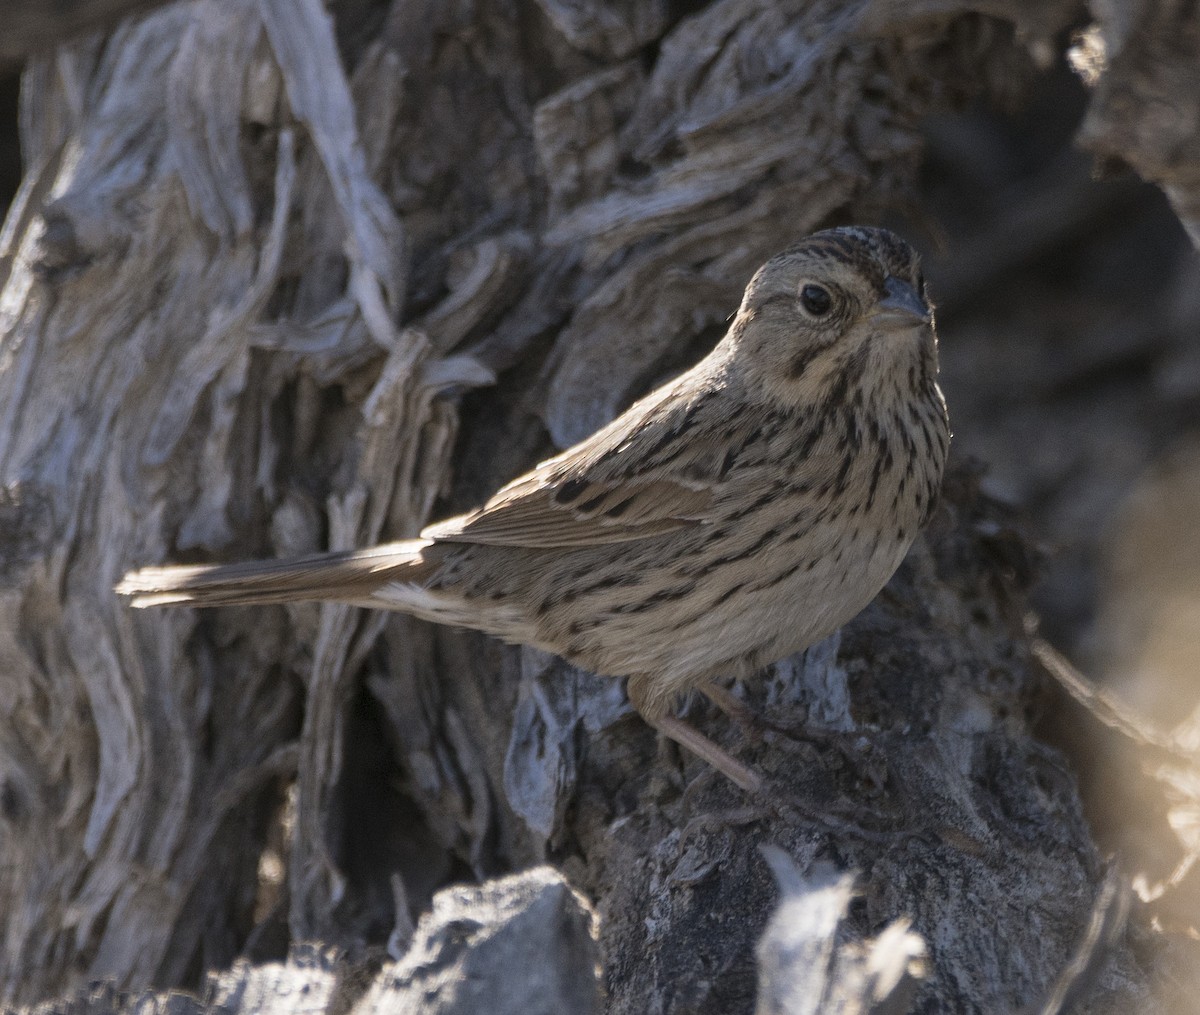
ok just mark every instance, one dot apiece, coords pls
pixel 578 513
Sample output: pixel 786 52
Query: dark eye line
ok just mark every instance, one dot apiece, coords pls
pixel 775 298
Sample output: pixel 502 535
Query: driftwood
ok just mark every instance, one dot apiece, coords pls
pixel 274 284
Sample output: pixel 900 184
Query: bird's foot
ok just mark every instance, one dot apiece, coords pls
pixel 713 822
pixel 840 825
pixel 854 747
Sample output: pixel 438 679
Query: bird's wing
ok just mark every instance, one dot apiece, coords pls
pixel 577 512
pixel 611 488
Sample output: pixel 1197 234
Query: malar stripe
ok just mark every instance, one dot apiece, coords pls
pixel 801 362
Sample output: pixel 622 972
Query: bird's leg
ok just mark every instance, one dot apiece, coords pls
pixel 650 706
pixel 688 736
pixel 853 746
pixel 752 726
pixel 747 721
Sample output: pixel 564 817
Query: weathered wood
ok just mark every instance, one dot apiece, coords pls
pixel 269 289
pixel 1143 60
pixel 34 25
pixel 523 945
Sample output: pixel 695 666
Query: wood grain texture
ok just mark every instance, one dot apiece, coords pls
pixel 262 275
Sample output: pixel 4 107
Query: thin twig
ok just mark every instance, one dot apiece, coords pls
pixel 1107 708
pixel 1078 977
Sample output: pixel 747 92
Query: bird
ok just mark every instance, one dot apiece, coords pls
pixel 734 516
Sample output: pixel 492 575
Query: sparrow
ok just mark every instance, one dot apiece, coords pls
pixel 734 516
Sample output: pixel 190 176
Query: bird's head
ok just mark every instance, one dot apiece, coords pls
pixel 842 314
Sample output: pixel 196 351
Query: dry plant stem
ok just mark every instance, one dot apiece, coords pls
pixel 1106 708
pixel 1108 918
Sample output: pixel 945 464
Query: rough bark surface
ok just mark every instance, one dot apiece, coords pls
pixel 460 961
pixel 281 279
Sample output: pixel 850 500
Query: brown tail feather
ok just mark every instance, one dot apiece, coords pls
pixel 350 576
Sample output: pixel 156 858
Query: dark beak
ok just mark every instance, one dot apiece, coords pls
pixel 903 305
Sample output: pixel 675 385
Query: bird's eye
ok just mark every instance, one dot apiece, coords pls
pixel 816 299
